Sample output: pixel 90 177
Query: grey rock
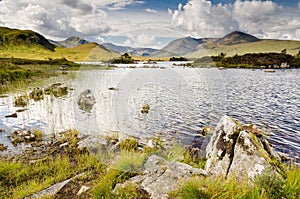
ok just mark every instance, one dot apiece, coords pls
pixel 86 100
pixel 221 147
pixel 51 191
pixel 160 177
pixel 238 152
pixel 54 189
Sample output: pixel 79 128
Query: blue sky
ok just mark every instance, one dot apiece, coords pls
pixel 152 23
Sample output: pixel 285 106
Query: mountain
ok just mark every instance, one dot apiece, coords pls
pixel 236 37
pixel 231 44
pixel 87 52
pixel 12 38
pixel 179 47
pixel 32 45
pixel 70 42
pixel 145 52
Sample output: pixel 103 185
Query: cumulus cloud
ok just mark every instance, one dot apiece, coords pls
pixel 142 40
pixel 60 18
pixel 151 10
pixel 265 19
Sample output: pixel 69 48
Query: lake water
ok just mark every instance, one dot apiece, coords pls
pixel 182 101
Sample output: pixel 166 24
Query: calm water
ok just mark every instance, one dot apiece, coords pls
pixel 181 100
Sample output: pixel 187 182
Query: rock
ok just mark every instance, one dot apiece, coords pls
pixel 113 89
pixel 14 115
pixel 57 90
pixel 161 177
pixel 20 101
pixel 51 191
pixel 54 189
pixel 2 147
pixel 23 136
pixel 237 152
pixel 21 110
pixel 82 190
pixel 86 100
pixel 37 94
pixel 145 108
pixel 205 131
pixel 220 149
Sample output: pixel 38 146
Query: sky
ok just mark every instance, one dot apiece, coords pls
pixel 152 23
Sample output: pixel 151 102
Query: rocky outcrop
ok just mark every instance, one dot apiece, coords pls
pixel 238 152
pixel 160 177
pixel 86 100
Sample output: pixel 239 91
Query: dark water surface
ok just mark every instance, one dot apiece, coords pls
pixel 181 100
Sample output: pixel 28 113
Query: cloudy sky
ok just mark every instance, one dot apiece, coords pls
pixel 152 23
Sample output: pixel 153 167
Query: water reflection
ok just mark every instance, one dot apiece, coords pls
pixel 181 101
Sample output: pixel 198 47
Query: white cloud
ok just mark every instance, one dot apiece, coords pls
pixel 151 10
pixel 142 40
pixel 61 18
pixel 262 18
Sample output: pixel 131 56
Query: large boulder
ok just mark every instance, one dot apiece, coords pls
pixel 161 177
pixel 86 100
pixel 235 151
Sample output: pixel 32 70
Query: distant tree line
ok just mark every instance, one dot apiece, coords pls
pixel 124 59
pixel 178 59
pixel 254 60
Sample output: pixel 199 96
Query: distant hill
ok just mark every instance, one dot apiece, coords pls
pixel 70 42
pixel 180 47
pixel 236 37
pixel 87 52
pixel 231 44
pixel 145 52
pixel 12 38
pixel 31 45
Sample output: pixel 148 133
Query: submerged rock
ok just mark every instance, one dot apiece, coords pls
pixel 237 152
pixel 161 177
pixel 86 100
pixel 2 147
pixel 57 90
pixel 21 101
pixel 23 136
pixel 145 108
pixel 37 94
pixel 13 115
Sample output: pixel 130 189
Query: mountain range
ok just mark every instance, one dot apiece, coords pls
pixel 30 44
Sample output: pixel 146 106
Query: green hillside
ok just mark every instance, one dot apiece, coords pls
pixel 27 44
pixel 262 46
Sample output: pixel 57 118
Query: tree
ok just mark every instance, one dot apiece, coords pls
pixel 283 51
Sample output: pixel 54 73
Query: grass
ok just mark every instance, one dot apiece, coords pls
pixel 85 52
pixel 20 178
pixel 266 186
pixel 263 46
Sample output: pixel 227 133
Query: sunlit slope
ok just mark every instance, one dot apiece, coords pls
pixel 262 46
pixel 31 45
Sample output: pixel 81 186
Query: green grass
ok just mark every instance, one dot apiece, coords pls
pixel 263 46
pixel 18 180
pixel 266 186
pixel 85 52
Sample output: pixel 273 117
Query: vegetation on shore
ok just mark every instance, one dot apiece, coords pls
pixel 177 59
pixel 254 60
pixel 23 176
pixel 17 73
pixel 124 59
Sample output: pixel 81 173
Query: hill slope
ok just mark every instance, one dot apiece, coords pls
pixel 70 42
pixel 179 47
pixel 236 37
pixel 12 38
pixel 262 46
pixel 145 52
pixel 31 45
